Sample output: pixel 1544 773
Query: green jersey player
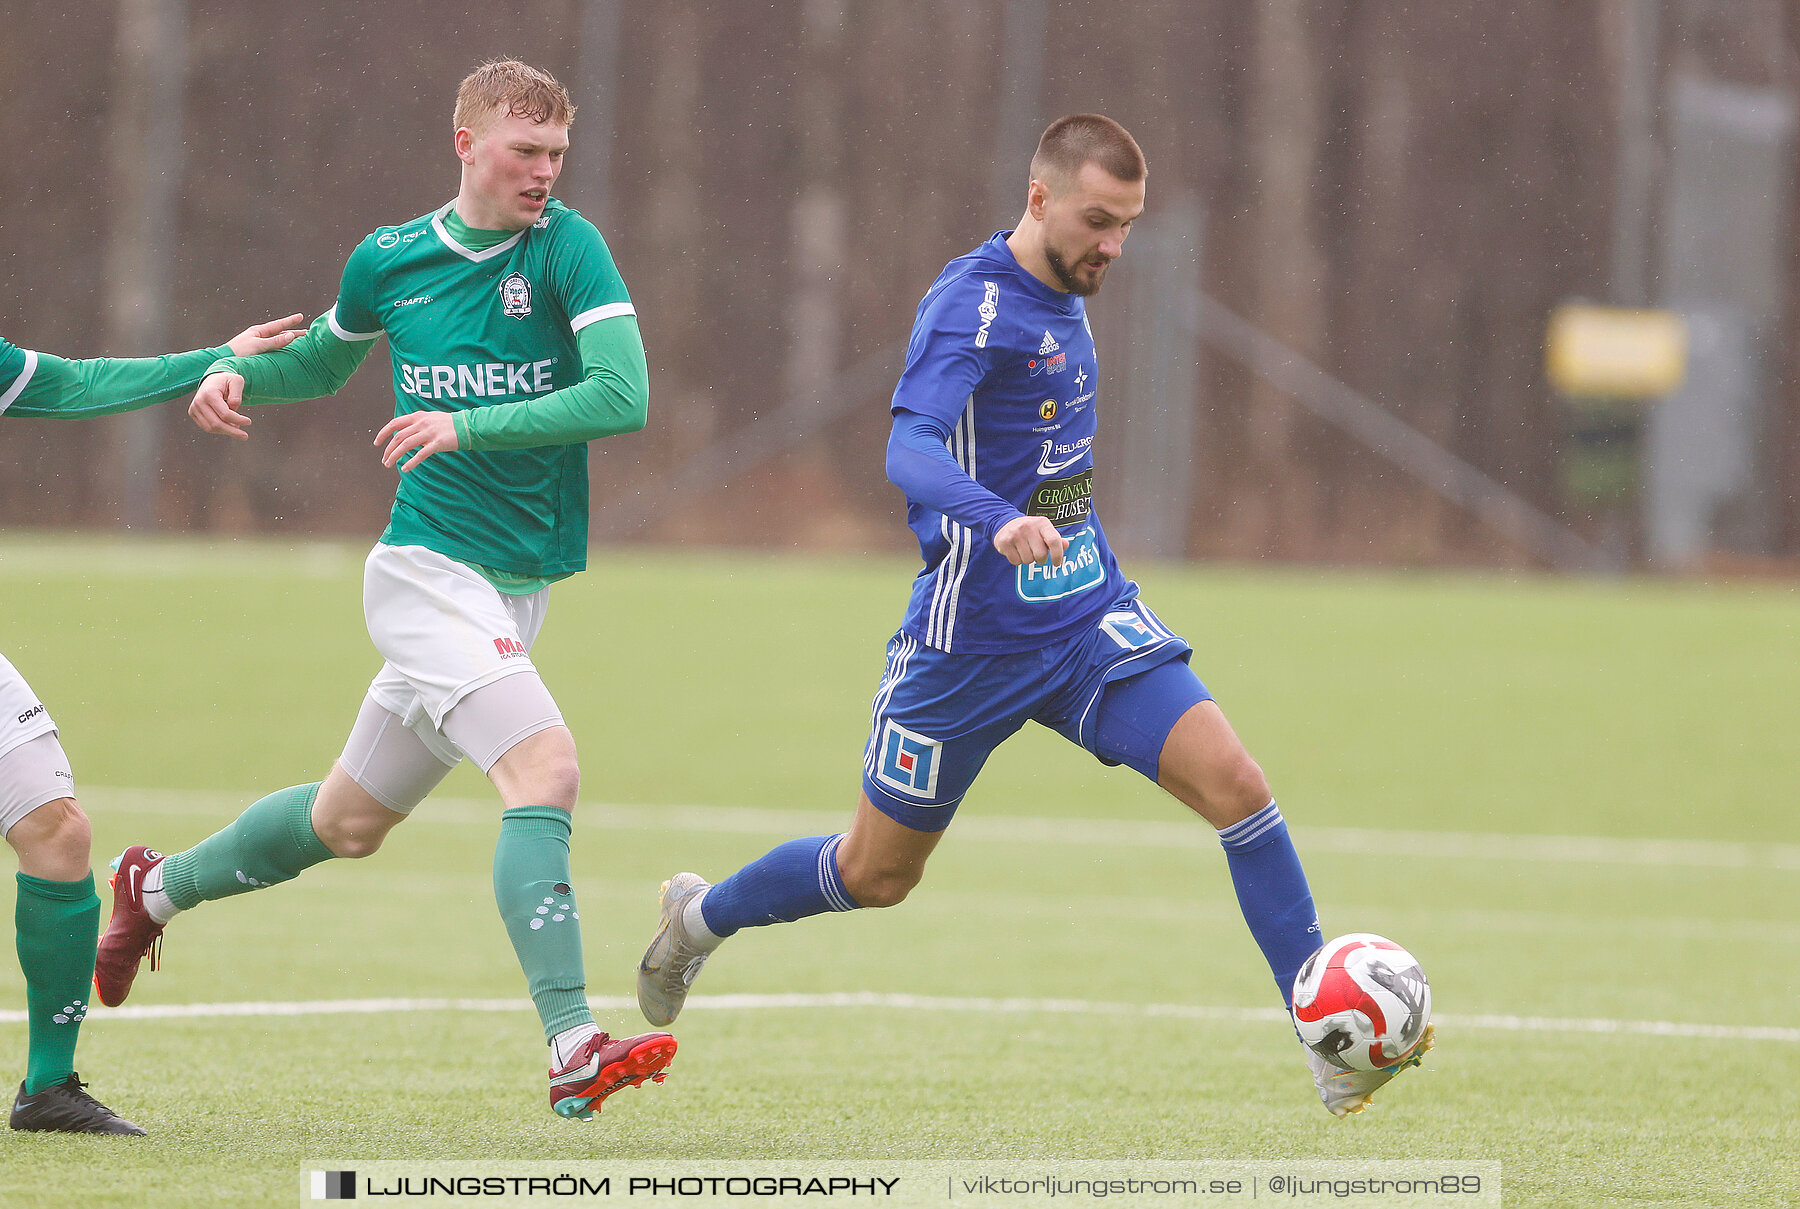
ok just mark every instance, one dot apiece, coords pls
pixel 58 914
pixel 514 343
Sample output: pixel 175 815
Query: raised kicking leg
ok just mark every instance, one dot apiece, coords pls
pixel 385 771
pixel 1204 764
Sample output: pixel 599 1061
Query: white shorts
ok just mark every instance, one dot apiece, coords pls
pixel 22 715
pixel 447 634
pixel 33 767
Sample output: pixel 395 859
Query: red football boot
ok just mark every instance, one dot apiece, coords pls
pixel 130 934
pixel 602 1066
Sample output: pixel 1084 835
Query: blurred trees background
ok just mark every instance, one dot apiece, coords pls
pixel 1399 192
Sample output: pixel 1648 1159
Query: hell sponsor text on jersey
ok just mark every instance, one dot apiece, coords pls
pixel 481 380
pixel 1059 456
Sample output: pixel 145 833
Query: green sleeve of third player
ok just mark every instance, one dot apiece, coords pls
pixel 315 365
pixel 73 390
pixel 613 397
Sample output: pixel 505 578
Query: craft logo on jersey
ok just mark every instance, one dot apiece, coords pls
pixel 511 648
pixel 908 761
pixel 515 295
pixel 31 713
pixel 988 310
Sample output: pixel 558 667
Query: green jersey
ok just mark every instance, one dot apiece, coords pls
pixel 38 384
pixel 474 329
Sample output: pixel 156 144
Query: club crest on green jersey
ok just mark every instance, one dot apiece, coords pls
pixel 515 295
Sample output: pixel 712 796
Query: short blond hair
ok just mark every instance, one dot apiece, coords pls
pixel 509 88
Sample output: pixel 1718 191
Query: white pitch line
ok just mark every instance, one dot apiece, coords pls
pixel 932 1003
pixel 1084 833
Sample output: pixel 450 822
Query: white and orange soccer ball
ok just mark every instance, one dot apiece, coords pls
pixel 1361 1002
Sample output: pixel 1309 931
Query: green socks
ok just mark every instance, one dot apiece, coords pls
pixel 273 841
pixel 269 843
pixel 58 928
pixel 531 885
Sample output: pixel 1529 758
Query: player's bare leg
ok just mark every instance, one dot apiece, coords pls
pixel 881 861
pixel 54 842
pixel 348 819
pixel 539 770
pixel 1206 767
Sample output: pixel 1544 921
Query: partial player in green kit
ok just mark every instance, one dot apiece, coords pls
pixel 57 915
pixel 514 343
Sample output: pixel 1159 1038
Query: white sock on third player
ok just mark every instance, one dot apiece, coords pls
pixel 565 1043
pixel 157 903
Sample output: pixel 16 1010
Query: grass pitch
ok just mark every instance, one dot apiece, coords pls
pixel 1573 800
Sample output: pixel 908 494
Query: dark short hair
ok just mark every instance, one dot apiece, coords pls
pixel 1087 138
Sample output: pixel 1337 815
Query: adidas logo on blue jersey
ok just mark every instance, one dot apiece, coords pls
pixel 1048 346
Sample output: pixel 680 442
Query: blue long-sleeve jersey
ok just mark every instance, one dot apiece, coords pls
pixel 994 418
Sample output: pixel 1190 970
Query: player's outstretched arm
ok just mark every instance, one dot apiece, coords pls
pixel 63 388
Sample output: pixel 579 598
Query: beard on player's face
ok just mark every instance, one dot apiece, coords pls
pixel 1068 275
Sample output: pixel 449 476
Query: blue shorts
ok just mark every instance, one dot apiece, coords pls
pixel 1116 689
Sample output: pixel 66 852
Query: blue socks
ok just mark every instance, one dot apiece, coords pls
pixel 1272 891
pixel 797 879
pixel 800 878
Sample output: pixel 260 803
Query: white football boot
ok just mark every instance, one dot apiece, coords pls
pixel 1350 1091
pixel 674 957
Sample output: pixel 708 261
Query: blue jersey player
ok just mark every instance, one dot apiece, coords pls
pixel 1020 613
